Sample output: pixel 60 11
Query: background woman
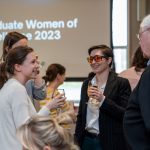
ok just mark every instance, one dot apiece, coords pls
pixel 133 74
pixel 55 76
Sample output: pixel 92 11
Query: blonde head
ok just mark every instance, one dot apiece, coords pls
pixel 39 132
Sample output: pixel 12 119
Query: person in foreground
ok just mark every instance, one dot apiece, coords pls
pixel 36 87
pixel 101 109
pixel 45 133
pixel 15 103
pixel 137 116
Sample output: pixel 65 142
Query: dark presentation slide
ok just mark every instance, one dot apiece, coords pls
pixel 60 31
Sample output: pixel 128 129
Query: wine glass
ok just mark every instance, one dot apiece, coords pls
pixel 93 101
pixel 60 91
pixel 93 83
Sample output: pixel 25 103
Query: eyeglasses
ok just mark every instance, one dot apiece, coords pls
pixel 96 58
pixel 139 35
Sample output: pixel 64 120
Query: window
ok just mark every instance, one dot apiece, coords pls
pixel 119 34
pixel 72 88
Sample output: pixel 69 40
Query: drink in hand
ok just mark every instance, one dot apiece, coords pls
pixel 94 102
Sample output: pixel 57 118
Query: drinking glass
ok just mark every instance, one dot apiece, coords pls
pixel 93 83
pixel 93 101
pixel 60 91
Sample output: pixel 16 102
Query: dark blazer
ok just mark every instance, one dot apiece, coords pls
pixel 137 116
pixel 117 92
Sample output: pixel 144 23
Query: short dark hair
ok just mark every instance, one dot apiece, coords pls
pixel 106 51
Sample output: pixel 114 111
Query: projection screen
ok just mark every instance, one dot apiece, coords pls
pixel 60 31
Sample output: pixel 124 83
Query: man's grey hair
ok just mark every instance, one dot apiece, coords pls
pixel 145 23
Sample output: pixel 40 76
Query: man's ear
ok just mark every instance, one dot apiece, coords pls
pixel 47 148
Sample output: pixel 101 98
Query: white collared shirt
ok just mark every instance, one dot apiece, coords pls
pixel 92 123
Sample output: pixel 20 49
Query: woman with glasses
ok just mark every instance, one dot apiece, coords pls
pixel 103 102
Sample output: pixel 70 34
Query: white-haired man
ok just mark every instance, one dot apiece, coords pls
pixel 137 116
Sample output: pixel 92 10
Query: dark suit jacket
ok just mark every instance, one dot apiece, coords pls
pixel 117 92
pixel 137 115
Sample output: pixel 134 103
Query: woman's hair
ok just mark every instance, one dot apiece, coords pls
pixel 10 39
pixel 106 51
pixel 52 71
pixel 138 60
pixel 3 74
pixel 91 74
pixel 16 56
pixel 41 131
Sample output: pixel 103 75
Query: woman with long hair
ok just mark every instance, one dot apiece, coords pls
pixel 36 86
pixel 16 105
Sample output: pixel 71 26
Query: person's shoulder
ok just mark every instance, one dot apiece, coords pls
pixel 123 83
pixel 146 72
pixel 13 88
pixel 147 69
pixel 122 79
pixel 86 81
pixel 30 83
pixel 127 73
pixel 16 85
pixel 145 78
pixel 117 79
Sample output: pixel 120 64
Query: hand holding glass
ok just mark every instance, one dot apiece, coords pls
pixel 62 93
pixel 92 100
pixel 56 102
pixel 91 83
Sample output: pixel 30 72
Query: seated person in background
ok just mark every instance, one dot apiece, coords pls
pixel 139 63
pixel 47 133
pixel 35 87
pixel 55 76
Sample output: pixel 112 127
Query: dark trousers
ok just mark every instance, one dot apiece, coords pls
pixel 91 143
